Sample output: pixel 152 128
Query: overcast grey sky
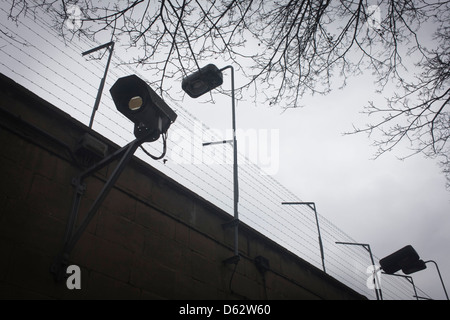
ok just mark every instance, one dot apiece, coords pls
pixel 386 203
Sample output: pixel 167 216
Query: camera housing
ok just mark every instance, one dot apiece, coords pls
pixel 135 99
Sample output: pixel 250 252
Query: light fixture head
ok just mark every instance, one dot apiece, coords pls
pixel 400 259
pixel 202 81
pixel 417 266
pixel 135 99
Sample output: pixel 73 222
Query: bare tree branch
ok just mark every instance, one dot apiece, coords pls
pixel 298 46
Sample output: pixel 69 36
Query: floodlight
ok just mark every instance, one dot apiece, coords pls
pixel 409 262
pixel 197 84
pixel 400 259
pixel 202 81
pixel 418 266
pixel 135 99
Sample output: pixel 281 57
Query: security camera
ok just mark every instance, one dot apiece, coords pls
pixel 135 99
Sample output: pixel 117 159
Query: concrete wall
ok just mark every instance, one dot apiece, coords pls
pixel 151 238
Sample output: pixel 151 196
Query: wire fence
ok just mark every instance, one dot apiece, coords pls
pixel 35 56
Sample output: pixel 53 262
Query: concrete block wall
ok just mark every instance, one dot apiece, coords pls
pixel 151 238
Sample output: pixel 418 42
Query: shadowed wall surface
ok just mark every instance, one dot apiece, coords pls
pixel 151 238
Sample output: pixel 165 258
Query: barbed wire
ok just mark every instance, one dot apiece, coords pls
pixel 58 74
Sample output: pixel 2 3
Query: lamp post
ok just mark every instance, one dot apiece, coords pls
pixel 407 260
pixel 312 206
pixel 367 247
pixel 440 277
pixel 197 84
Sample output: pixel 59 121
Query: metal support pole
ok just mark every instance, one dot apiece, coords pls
pixel 367 247
pixel 440 277
pixel 79 191
pixel 235 168
pixel 72 236
pixel 312 206
pixel 410 279
pixel 103 193
pixel 217 142
pixel 110 46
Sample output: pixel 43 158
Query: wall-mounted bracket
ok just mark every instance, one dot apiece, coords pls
pixel 80 188
pixel 71 237
pixel 232 260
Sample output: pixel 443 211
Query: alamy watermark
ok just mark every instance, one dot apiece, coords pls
pixel 374 279
pixel 74 277
pixel 74 15
pixel 374 17
pixel 260 147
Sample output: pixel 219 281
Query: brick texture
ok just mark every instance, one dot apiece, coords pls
pixel 150 239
